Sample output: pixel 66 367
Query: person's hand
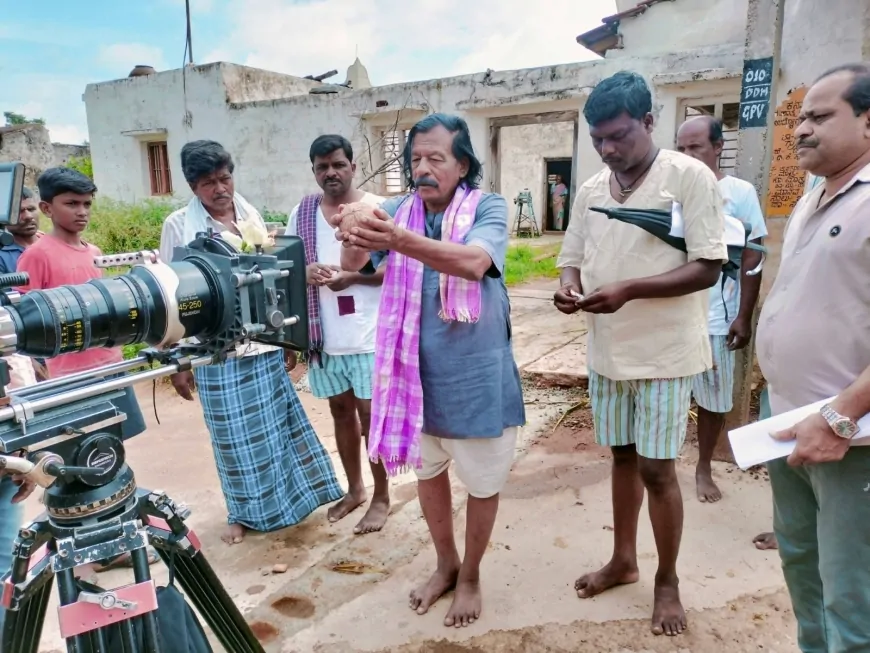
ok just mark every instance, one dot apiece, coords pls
pixel 374 233
pixel 739 333
pixel 39 370
pixel 816 442
pixel 184 384
pixel 25 488
pixel 607 299
pixel 565 301
pixel 317 274
pixel 339 281
pixel 290 359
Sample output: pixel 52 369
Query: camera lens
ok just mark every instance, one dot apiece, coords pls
pixel 157 306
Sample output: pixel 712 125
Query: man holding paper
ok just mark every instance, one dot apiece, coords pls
pixel 647 315
pixel 731 303
pixel 814 346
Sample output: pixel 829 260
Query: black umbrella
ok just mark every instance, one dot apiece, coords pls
pixel 658 222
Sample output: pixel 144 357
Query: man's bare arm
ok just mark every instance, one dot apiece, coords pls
pixel 464 261
pixel 854 401
pixel 685 280
pixel 360 279
pixel 354 259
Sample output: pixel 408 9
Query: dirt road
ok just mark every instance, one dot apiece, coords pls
pixel 343 593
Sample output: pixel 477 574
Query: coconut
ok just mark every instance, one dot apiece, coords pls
pixel 352 216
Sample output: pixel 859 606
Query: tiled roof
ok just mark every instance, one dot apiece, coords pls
pixel 606 36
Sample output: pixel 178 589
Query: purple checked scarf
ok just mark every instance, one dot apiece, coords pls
pixel 306 228
pixel 397 392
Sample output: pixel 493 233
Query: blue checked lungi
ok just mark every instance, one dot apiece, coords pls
pixel 273 470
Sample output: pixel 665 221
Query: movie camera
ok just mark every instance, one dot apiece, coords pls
pixel 65 434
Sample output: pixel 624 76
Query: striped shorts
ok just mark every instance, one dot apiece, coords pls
pixel 651 414
pixel 342 373
pixel 713 388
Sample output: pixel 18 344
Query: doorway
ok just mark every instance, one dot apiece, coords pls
pixel 557 171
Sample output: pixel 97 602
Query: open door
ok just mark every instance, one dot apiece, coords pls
pixel 558 193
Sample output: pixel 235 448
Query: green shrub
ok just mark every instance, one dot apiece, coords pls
pixel 118 227
pixel 524 263
pixel 81 163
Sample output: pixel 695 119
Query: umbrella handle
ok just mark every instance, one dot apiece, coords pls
pixel 757 269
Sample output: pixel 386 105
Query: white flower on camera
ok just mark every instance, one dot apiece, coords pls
pixel 252 233
pixel 232 239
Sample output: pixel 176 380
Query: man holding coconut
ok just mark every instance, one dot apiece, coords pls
pixel 446 387
pixel 273 470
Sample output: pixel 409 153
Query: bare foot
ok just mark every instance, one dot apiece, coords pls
pixel 375 517
pixel 765 542
pixel 346 505
pixel 708 491
pixel 668 618
pixel 234 534
pixel 466 606
pixel 441 582
pixel 610 575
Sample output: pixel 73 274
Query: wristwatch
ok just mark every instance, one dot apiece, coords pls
pixel 840 424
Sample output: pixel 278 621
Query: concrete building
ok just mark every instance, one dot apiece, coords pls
pixel 526 124
pixel 31 145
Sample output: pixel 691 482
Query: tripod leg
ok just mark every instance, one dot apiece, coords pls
pixel 68 592
pixel 142 574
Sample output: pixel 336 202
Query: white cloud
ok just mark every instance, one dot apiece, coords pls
pixel 122 57
pixel 68 134
pixel 401 41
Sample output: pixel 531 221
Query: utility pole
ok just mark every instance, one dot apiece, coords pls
pixel 757 112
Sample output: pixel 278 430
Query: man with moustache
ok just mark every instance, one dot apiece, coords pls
pixel 342 314
pixel 25 233
pixel 273 470
pixel 647 316
pixel 732 303
pixel 446 386
pixel 814 347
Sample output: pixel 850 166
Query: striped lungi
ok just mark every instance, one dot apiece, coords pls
pixel 273 470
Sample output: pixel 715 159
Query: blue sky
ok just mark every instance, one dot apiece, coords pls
pixel 51 49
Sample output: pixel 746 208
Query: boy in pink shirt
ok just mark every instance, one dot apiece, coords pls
pixel 62 258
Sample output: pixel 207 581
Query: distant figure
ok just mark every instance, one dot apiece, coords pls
pixel 273 470
pixel 732 304
pixel 342 317
pixel 558 201
pixel 647 315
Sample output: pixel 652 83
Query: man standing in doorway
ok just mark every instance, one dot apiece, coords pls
pixel 558 198
pixel 814 344
pixel 731 304
pixel 342 315
pixel 647 306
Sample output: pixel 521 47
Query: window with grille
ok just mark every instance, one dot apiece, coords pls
pixel 158 168
pixel 729 113
pixel 393 181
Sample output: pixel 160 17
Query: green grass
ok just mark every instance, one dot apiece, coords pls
pixel 525 263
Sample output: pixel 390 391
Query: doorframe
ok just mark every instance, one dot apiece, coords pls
pixel 546 195
pixel 495 126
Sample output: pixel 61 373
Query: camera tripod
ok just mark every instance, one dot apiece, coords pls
pixel 85 524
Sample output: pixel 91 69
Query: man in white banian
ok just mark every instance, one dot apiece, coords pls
pixel 731 304
pixel 342 316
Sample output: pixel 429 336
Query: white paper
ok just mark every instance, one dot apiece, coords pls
pixel 678 229
pixel 752 444
pixel 735 232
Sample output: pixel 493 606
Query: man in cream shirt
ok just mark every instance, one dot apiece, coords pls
pixel 647 315
pixel 342 316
